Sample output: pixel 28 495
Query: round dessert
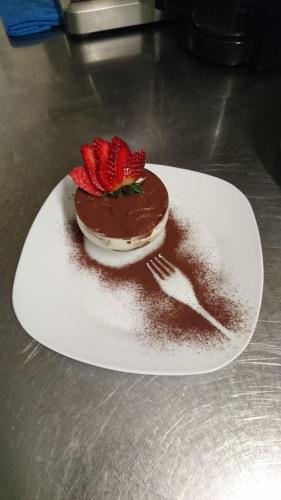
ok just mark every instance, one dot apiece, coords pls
pixel 126 221
pixel 119 204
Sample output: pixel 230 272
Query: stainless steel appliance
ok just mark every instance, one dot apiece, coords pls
pixel 232 32
pixel 90 16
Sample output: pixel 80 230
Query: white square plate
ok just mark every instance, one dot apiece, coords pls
pixel 67 310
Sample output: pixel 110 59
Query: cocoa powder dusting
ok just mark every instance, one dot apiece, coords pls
pixel 168 320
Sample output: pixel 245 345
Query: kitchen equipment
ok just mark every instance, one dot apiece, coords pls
pixel 232 32
pixel 90 16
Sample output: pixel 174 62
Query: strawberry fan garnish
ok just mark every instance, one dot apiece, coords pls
pixel 109 168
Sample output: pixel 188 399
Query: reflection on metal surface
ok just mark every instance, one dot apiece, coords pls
pixel 95 91
pixel 260 489
pixel 222 106
pixel 102 49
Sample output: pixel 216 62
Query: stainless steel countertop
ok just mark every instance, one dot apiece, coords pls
pixel 72 431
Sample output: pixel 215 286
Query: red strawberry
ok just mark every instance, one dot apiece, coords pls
pixel 111 158
pixel 108 166
pixel 87 152
pixel 101 152
pixel 133 167
pixel 82 179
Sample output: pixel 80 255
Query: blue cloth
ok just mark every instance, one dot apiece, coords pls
pixel 25 17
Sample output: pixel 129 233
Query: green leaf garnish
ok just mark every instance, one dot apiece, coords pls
pixel 136 187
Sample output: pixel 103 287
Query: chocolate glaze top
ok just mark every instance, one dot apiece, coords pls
pixel 124 216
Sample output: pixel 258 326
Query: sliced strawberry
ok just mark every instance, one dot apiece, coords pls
pixel 81 177
pixel 87 152
pixel 118 155
pixel 108 166
pixel 122 151
pixel 101 152
pixel 111 162
pixel 134 167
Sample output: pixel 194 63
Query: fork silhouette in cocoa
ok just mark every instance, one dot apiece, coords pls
pixel 176 284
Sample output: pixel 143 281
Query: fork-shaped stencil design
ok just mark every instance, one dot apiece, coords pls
pixel 175 284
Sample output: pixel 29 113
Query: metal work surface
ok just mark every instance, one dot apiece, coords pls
pixel 77 432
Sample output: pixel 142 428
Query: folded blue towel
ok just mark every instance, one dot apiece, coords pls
pixel 24 17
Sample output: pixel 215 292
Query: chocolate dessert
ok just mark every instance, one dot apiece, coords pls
pixel 125 216
pixel 119 205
